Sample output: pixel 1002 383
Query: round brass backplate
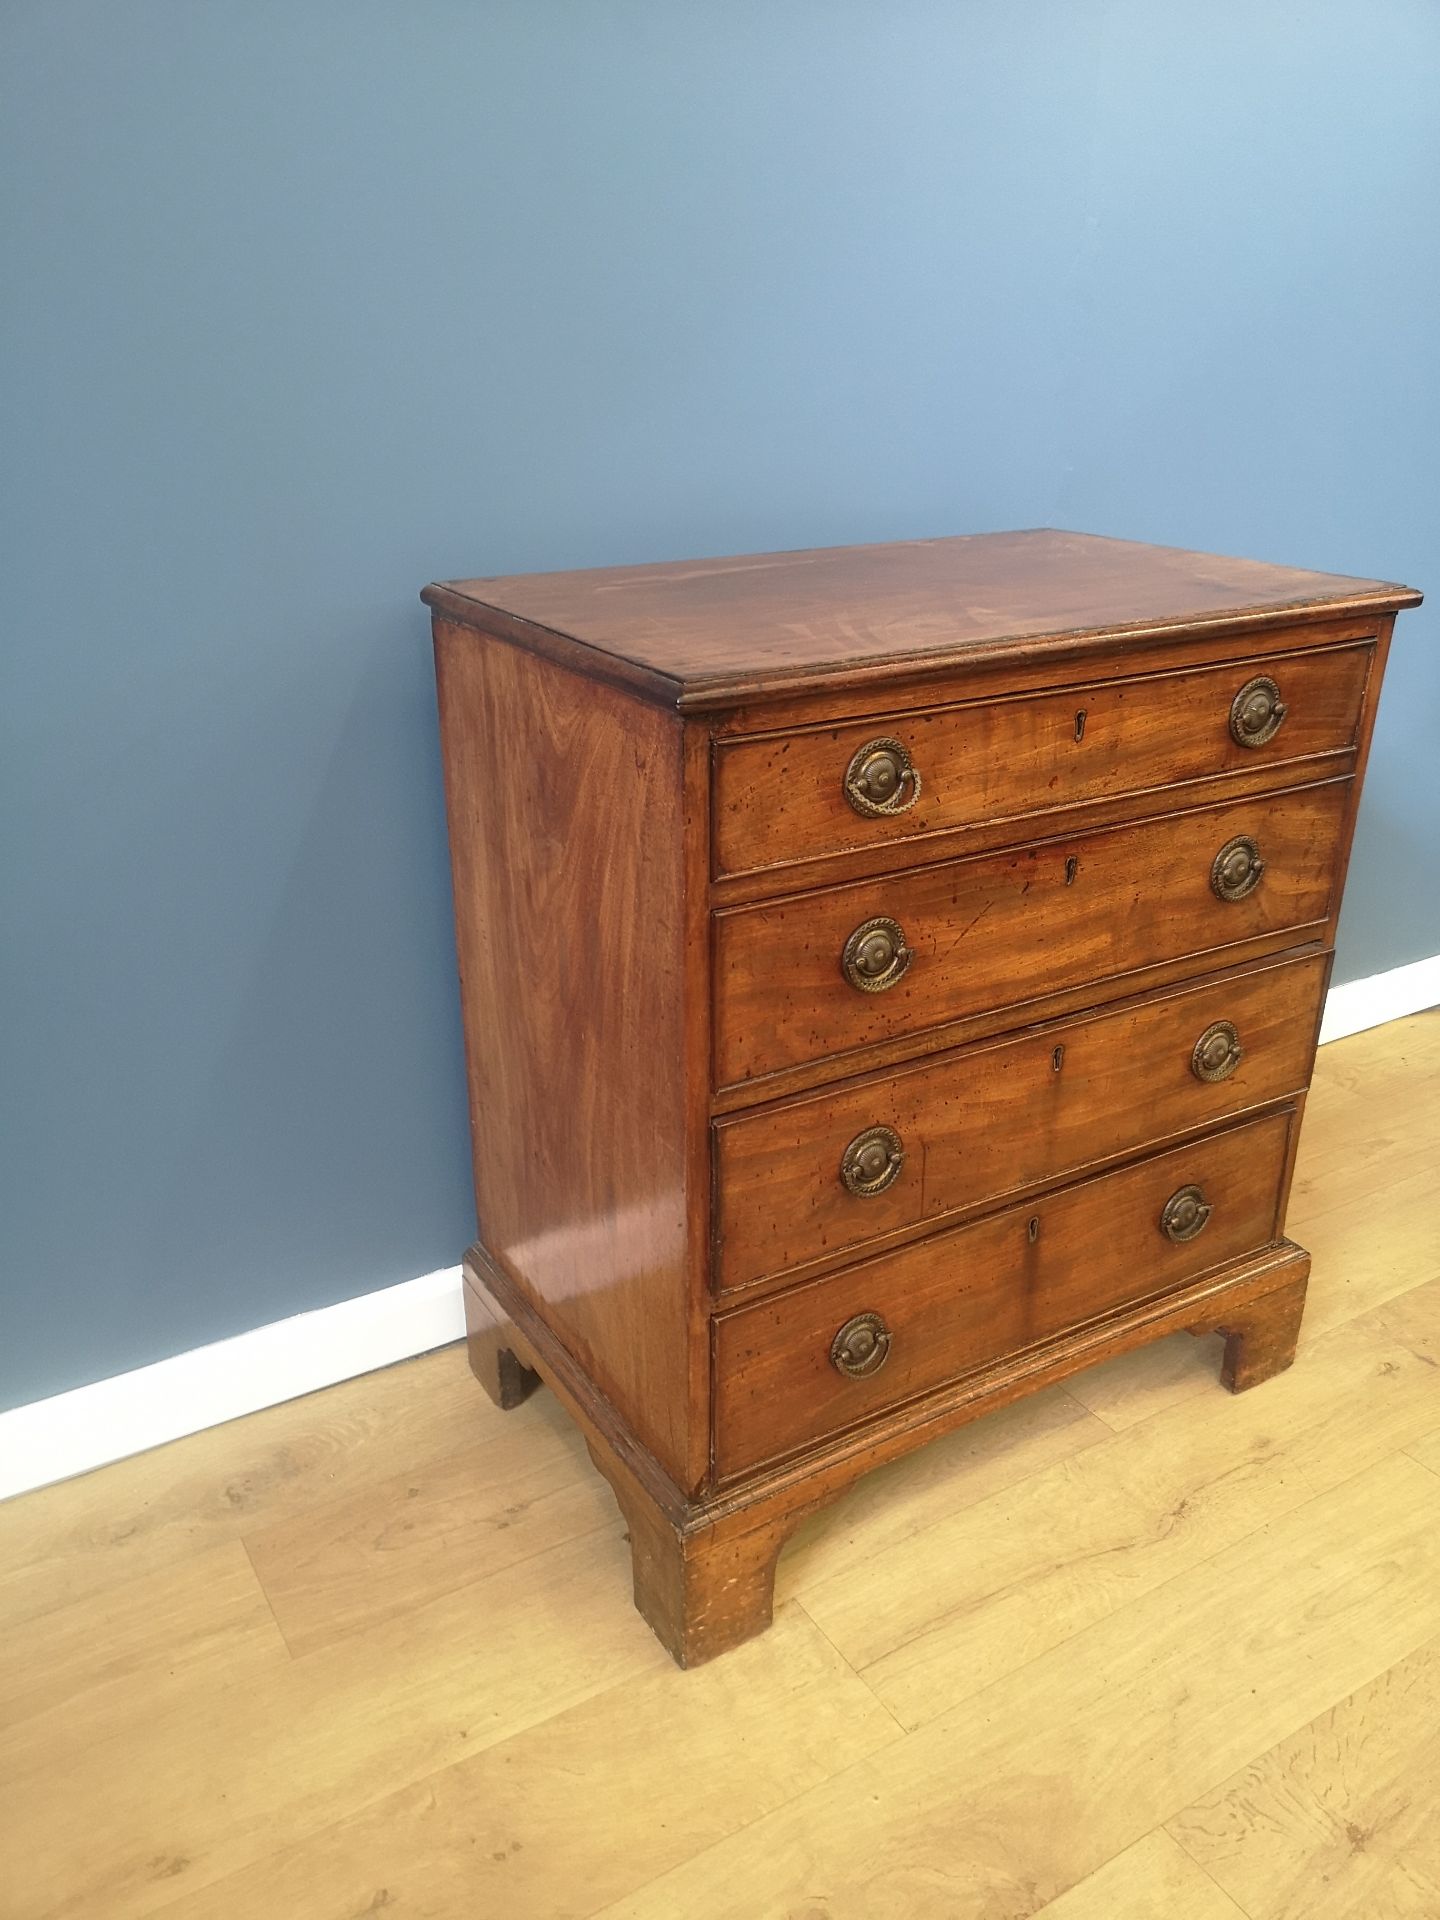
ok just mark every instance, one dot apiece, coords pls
pixel 875 955
pixel 872 1161
pixel 1237 868
pixel 1185 1214
pixel 1217 1052
pixel 881 779
pixel 861 1347
pixel 1256 712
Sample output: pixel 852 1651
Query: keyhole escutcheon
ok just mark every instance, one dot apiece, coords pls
pixel 1071 868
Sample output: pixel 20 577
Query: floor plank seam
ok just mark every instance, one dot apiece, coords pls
pixel 1200 1866
pixel 1088 1412
pixel 1321 1333
pixel 437 1593
pixel 944 1618
pixel 735 1833
pixel 1182 1574
pixel 1352 1687
pixel 264 1594
pixel 902 1731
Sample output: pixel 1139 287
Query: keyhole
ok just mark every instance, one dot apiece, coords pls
pixel 1033 1230
pixel 1071 866
pixel 1057 1059
pixel 1080 723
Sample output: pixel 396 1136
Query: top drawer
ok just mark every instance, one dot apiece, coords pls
pixel 804 795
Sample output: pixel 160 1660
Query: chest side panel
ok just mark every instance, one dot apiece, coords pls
pixel 565 804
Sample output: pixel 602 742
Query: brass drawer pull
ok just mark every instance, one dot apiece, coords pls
pixel 1217 1052
pixel 1184 1214
pixel 1237 868
pixel 861 1347
pixel 1256 712
pixel 872 1161
pixel 876 955
pixel 881 779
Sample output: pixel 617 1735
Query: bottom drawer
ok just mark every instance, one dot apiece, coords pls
pixel 802 1365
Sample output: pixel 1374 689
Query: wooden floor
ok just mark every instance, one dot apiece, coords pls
pixel 1132 1648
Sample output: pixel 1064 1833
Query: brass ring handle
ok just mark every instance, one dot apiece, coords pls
pixel 1184 1214
pixel 881 779
pixel 1218 1052
pixel 1256 712
pixel 861 1347
pixel 876 955
pixel 872 1161
pixel 1237 868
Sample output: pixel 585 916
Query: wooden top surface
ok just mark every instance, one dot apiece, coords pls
pixel 759 624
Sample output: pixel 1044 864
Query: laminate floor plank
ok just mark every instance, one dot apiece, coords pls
pixel 344 1565
pixel 1380 1245
pixel 1133 1386
pixel 102 1529
pixel 1153 1880
pixel 1427 1450
pixel 1027 1568
pixel 1341 1820
pixel 903 1499
pixel 234 1773
pixel 1021 1792
pixel 587 1806
pixel 105 1663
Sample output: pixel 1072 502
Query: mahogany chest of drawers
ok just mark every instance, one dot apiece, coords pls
pixel 891 978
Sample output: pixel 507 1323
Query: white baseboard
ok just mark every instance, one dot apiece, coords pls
pixel 73 1432
pixel 1359 1004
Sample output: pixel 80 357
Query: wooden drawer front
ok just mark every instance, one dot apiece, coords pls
pixel 782 798
pixel 1001 1117
pixel 1004 929
pixel 957 1300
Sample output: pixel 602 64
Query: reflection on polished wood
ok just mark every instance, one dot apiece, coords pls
pixel 761 624
pixel 1129 1647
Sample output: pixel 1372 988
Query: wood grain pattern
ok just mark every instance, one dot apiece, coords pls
pixel 587 1806
pixel 1007 930
pixel 995 1119
pixel 71 1676
pixel 571 933
pixel 985 1811
pixel 956 1300
pixel 1220 1620
pixel 705 632
pixel 158 1509
pixel 348 1564
pixel 128 1824
pixel 1077 1541
pixel 781 798
pixel 1340 1819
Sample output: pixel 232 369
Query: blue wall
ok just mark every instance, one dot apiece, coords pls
pixel 312 301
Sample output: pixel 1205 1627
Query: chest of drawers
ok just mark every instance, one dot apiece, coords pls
pixel 890 979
